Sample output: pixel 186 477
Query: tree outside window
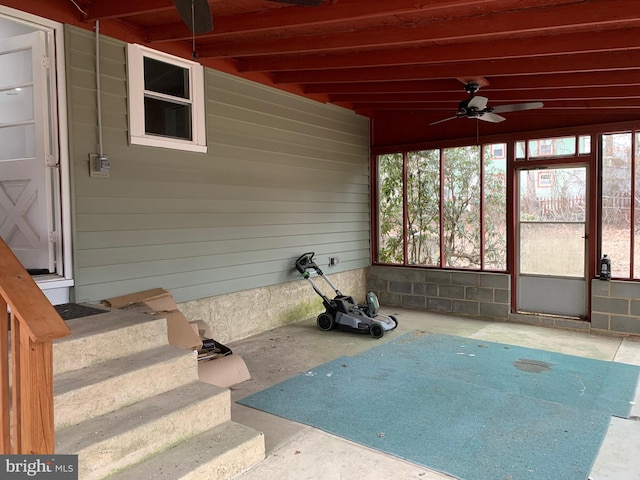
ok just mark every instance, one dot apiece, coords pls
pixel 390 209
pixel 455 211
pixel 423 208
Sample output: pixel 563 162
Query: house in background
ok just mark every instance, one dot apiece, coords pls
pixel 125 165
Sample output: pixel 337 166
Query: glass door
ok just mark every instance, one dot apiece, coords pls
pixel 552 241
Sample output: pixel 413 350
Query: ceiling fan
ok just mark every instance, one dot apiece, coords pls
pixel 476 107
pixel 197 14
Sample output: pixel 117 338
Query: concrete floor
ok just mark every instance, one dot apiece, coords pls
pixel 299 452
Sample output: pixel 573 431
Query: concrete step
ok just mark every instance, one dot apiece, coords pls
pixel 220 453
pixel 106 336
pixel 93 391
pixel 125 401
pixel 118 439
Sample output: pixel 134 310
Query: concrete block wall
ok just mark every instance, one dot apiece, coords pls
pixel 615 306
pixel 475 294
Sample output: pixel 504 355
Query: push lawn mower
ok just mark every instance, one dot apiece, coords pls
pixel 342 311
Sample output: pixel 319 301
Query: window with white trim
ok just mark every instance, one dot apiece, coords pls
pixel 166 100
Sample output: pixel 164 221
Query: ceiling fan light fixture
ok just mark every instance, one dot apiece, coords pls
pixel 471 88
pixel 476 106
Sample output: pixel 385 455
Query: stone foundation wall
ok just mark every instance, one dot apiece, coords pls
pixel 615 306
pixel 476 294
pixel 239 315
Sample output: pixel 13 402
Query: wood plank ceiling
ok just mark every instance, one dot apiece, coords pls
pixel 404 62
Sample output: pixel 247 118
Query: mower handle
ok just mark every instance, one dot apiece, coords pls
pixel 305 261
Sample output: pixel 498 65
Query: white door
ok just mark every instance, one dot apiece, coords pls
pixel 25 144
pixel 552 241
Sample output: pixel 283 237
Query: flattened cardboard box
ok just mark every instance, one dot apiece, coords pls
pixel 161 298
pixel 223 372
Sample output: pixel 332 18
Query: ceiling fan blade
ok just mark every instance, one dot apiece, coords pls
pixel 516 107
pixel 478 102
pixel 196 14
pixel 307 3
pixel 444 120
pixel 491 117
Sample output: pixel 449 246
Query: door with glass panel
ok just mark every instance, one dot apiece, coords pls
pixel 26 181
pixel 552 241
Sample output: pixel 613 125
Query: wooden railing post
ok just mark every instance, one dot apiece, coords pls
pixel 33 407
pixel 34 325
pixel 5 400
pixel 17 363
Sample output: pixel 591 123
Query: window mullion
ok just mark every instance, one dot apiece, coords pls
pixel 441 207
pixel 632 207
pixel 167 98
pixel 405 209
pixel 482 216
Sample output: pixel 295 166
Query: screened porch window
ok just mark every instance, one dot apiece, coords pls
pixel 620 202
pixel 443 207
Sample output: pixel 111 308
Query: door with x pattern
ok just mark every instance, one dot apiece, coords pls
pixel 25 178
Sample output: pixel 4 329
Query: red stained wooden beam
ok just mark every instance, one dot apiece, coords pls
pixel 578 17
pixel 561 105
pixel 584 62
pixel 517 96
pixel 103 9
pixel 331 14
pixel 539 46
pixel 513 83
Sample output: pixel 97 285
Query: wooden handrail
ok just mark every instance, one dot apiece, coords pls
pixel 28 401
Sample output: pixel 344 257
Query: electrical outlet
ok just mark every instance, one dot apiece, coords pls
pixel 98 165
pixel 334 261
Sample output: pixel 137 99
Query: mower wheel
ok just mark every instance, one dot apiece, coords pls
pixel 376 330
pixel 325 322
pixel 395 320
